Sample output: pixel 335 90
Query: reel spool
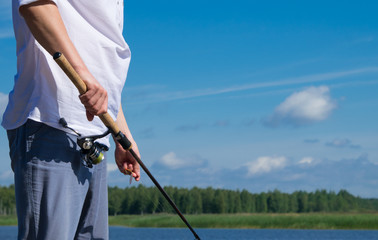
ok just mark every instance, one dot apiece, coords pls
pixel 91 151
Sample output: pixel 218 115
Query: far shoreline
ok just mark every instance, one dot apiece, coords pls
pixel 320 221
pixel 345 221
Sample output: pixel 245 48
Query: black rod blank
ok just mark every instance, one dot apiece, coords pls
pixel 166 196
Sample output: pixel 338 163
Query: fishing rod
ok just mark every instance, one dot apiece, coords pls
pixel 114 129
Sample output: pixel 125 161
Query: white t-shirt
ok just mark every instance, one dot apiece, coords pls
pixel 42 92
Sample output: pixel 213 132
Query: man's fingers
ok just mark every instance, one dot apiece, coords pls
pixel 136 173
pixel 90 116
pixel 95 102
pixel 130 169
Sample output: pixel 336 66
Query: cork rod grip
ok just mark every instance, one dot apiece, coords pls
pixel 61 60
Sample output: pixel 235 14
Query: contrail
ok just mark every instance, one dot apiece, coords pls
pixel 179 95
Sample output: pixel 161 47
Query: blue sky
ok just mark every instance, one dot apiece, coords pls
pixel 245 94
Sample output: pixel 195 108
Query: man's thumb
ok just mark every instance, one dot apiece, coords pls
pixel 90 116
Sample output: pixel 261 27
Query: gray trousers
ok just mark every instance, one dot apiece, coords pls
pixel 57 197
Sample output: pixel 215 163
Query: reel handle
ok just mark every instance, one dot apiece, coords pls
pixel 82 87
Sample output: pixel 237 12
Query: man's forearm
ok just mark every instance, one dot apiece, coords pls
pixel 125 161
pixel 46 25
pixel 122 124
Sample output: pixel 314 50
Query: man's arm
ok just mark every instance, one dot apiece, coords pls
pixel 123 158
pixel 46 25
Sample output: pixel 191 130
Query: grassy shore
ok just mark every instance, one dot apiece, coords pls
pixel 8 220
pixel 281 221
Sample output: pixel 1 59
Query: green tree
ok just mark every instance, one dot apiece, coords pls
pixel 293 202
pixel 321 201
pixel 195 201
pixel 247 202
pixel 114 200
pixel 219 203
pixel 207 200
pixel 302 201
pixel 153 201
pixel 332 201
pixel 7 200
pixel 275 201
pixel 261 203
pixel 237 200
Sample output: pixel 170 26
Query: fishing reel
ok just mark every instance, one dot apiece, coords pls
pixel 91 151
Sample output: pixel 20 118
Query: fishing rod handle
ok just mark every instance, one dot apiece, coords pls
pixel 82 87
pixel 70 72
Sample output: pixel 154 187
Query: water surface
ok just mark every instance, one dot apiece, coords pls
pixel 118 233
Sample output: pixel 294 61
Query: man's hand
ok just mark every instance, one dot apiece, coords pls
pixel 95 100
pixel 126 162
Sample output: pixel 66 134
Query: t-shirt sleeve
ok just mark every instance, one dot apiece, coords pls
pixel 25 2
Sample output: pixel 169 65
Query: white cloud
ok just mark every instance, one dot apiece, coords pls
pixel 265 164
pixel 306 160
pixel 172 161
pixel 310 105
pixel 111 167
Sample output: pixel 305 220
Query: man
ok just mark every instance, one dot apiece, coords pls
pixel 57 196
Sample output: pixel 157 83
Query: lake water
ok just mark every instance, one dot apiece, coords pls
pixel 118 233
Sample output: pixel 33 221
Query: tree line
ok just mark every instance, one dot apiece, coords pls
pixel 141 199
pixel 147 200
